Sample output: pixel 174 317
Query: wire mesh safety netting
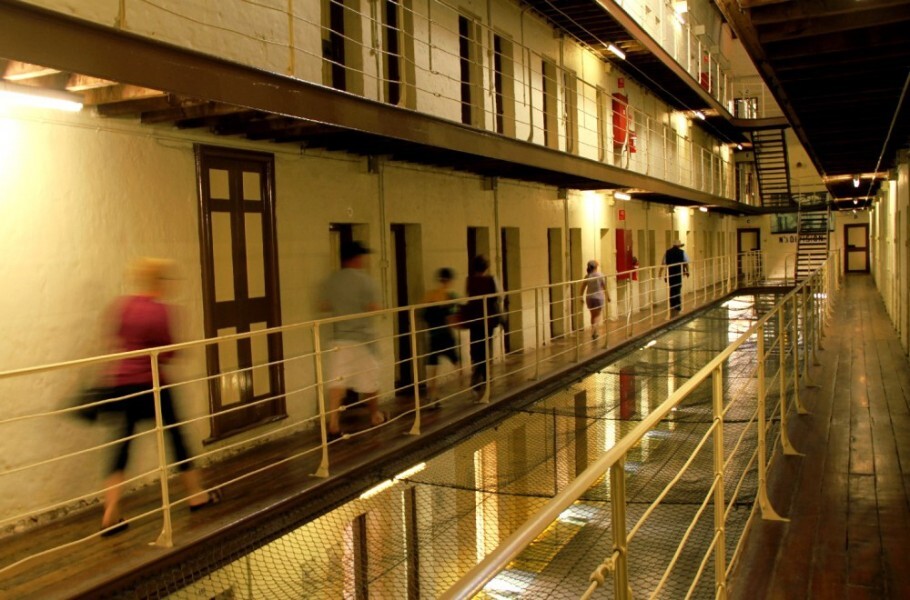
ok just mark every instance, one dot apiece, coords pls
pixel 415 536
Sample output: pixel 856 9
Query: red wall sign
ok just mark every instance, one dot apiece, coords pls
pixel 622 214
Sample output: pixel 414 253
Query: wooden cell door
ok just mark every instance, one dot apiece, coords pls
pixel 856 248
pixel 240 287
pixel 748 265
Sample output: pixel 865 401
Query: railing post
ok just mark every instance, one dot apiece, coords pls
pixel 819 330
pixel 323 469
pixel 415 371
pixel 538 333
pixel 621 589
pixel 767 511
pixel 579 332
pixel 805 329
pixel 789 450
pixel 720 547
pixel 166 537
pixel 651 287
pixel 795 336
pixel 488 351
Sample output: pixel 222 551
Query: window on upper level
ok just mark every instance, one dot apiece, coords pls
pixel 469 54
pixel 550 121
pixel 570 107
pixel 342 49
pixel 504 85
pixel 398 53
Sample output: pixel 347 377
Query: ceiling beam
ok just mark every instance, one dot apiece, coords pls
pixel 834 24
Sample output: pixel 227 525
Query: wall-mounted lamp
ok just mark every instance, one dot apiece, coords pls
pixel 621 196
pixel 617 51
pixel 35 97
pixel 703 209
pixel 739 146
pixel 700 115
pixel 856 201
pixel 856 181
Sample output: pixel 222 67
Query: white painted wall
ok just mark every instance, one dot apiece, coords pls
pixel 83 196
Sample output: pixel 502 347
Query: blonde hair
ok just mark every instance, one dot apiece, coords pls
pixel 148 273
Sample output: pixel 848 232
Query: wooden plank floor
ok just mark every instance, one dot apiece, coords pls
pixel 847 499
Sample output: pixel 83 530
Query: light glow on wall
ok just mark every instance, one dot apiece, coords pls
pixel 12 94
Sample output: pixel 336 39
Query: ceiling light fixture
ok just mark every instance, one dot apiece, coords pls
pixel 35 97
pixel 700 115
pixel 621 196
pixel 617 51
pixel 703 208
pixel 739 146
pixel 680 7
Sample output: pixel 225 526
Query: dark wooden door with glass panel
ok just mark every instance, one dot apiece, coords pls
pixel 240 287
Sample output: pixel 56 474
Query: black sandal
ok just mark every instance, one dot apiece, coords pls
pixel 214 497
pixel 118 527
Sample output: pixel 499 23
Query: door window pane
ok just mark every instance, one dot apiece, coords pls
pixel 223 258
pixel 219 188
pixel 255 259
pixel 252 189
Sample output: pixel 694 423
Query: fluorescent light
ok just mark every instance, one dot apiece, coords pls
pixel 377 489
pixel 35 97
pixel 621 196
pixel 617 51
pixel 703 208
pixel 411 472
pixel 681 7
pixel 651 343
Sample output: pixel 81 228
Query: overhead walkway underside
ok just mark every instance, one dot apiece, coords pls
pixel 248 100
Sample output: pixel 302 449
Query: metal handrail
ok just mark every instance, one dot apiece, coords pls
pixel 718 278
pixel 475 579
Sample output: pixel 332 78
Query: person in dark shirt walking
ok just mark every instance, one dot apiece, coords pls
pixel 676 264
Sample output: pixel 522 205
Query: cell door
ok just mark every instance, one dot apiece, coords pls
pixel 856 244
pixel 240 287
pixel 748 240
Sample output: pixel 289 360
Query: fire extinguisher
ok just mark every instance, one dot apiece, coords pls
pixel 632 139
pixel 620 115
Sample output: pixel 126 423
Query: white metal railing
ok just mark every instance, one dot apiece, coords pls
pixel 794 329
pixel 551 319
pixel 686 41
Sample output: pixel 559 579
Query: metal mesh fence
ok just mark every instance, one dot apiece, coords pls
pixel 416 534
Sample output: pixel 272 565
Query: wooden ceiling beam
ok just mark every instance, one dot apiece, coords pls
pixel 135 107
pixel 81 83
pixel 840 23
pixel 786 12
pixel 189 110
pixel 21 71
pixel 111 100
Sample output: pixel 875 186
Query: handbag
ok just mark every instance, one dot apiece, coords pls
pixel 86 402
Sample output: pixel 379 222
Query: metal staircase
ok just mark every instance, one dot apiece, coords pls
pixel 769 147
pixel 812 242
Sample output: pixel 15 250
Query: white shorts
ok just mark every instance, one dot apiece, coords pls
pixel 352 365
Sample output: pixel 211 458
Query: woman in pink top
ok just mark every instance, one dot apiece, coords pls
pixel 142 321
